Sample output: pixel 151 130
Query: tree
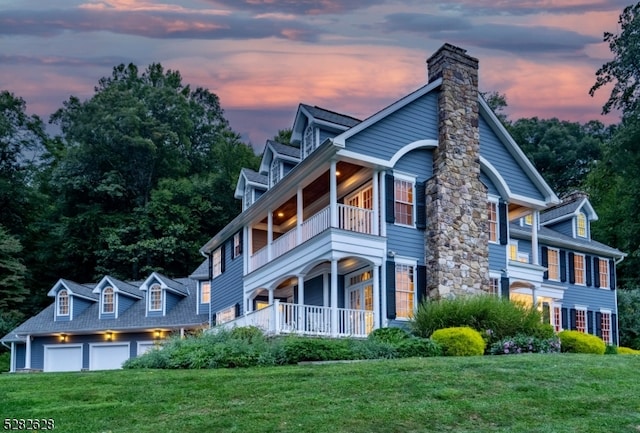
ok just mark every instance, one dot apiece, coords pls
pixel 624 69
pixel 629 318
pixel 283 136
pixel 12 281
pixel 498 103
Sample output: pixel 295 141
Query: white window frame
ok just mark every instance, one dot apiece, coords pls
pixel 275 168
pixel 309 140
pixel 237 245
pixel 205 292
pixel 226 315
pixel 400 177
pixel 491 202
pixel 494 283
pixel 557 263
pixel 583 274
pixel 581 217
pixel 112 303
pixel 151 298
pixel 556 320
pixel 217 262
pixel 583 311
pixel 606 313
pixel 248 197
pixel 59 304
pixel 412 265
pixel 604 277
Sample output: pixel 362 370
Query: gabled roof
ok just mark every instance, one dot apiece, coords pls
pixel 319 113
pixel 118 286
pixel 75 289
pixel 569 208
pixel 282 151
pixel 321 117
pixel 183 314
pixel 255 177
pixel 249 177
pixel 201 272
pixel 166 283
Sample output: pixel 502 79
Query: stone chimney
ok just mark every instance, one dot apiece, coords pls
pixel 456 239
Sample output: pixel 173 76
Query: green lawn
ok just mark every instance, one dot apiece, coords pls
pixel 524 393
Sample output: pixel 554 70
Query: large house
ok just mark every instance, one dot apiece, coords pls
pixel 348 227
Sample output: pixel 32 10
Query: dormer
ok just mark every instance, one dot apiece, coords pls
pixel 250 187
pixel 71 300
pixel 277 160
pixel 115 297
pixel 162 294
pixel 572 217
pixel 201 275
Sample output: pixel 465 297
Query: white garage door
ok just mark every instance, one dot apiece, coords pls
pixel 108 356
pixel 63 358
pixel 145 346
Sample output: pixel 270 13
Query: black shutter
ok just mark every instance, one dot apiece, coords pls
pixel 241 235
pixel 504 287
pixel 599 324
pixel 565 318
pixel 587 260
pixel 572 319
pixel 596 272
pixel 546 313
pixel 421 281
pixel 421 205
pixel 563 266
pixel 210 260
pixel 614 329
pixel 238 309
pixel 502 211
pixel 545 261
pixel 612 275
pixel 590 324
pixel 572 268
pixel 391 290
pixel 390 208
pixel 222 257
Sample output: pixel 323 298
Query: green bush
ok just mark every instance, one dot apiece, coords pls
pixel 628 318
pixel 373 349
pixel 247 333
pixel 611 349
pixel 627 351
pixel 389 335
pixel 578 342
pixel 298 349
pixel 525 344
pixel 5 362
pixel 418 347
pixel 459 341
pixel 495 318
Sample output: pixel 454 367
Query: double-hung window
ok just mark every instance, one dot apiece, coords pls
pixel 237 245
pixel 603 268
pixel 581 225
pixel 492 212
pixel 403 196
pixel 205 292
pixel 275 171
pixel 579 269
pixel 217 262
pixel 405 290
pixel 107 300
pixel 553 264
pixel 63 303
pixel 581 320
pixel 155 298
pixel 556 318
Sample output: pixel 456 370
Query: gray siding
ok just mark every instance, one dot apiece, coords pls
pixel 124 302
pixel 491 188
pixel 564 227
pixel 313 294
pixel 287 167
pixel 21 350
pixel 79 305
pixel 324 134
pixel 226 289
pixel 406 242
pixel 495 152
pixel 415 121
pixel 497 257
pixel 172 300
pixel 418 162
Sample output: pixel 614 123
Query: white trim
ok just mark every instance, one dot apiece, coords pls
pixel 584 269
pixel 12 359
pixel 492 199
pixel 557 250
pixel 604 259
pixel 46 362
pixel 114 344
pixel 113 301
pixel 419 144
pixel 413 263
pixel 161 298
pixel 404 177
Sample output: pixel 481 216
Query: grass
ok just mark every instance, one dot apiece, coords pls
pixel 524 393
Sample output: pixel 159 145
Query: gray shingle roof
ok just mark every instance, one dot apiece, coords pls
pixel 201 272
pixel 126 287
pixel 183 314
pixel 255 177
pixel 173 284
pixel 83 290
pixel 559 211
pixel 284 149
pixel 331 116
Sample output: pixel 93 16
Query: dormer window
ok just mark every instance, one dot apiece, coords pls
pixel 248 194
pixel 63 303
pixel 107 300
pixel 275 171
pixel 309 141
pixel 581 225
pixel 155 298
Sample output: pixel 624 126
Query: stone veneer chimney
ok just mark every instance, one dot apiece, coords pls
pixel 456 239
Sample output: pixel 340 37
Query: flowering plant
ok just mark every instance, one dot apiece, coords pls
pixel 525 344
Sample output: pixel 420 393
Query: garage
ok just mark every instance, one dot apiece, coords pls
pixel 63 358
pixel 145 346
pixel 108 356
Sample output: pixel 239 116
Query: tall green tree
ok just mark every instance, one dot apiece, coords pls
pixel 12 281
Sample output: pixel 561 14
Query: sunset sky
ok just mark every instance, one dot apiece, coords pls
pixel 264 57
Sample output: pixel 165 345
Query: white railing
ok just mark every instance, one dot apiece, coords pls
pixel 260 258
pixel 283 244
pixel 355 219
pixel 285 318
pixel 316 224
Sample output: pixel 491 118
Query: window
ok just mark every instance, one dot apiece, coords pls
pixel 581 320
pixel 403 196
pixel 226 315
pixel 309 141
pixel 603 267
pixel 63 303
pixel 217 262
pixel 237 245
pixel 275 171
pixel 579 268
pixel 247 197
pixel 155 298
pixel 605 326
pixel 581 224
pixel 553 264
pixel 404 291
pixel 205 292
pixel 556 318
pixel 107 300
pixel 528 220
pixel 492 210
pixel 494 285
pixel 513 250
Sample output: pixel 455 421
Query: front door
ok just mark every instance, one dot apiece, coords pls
pixel 359 297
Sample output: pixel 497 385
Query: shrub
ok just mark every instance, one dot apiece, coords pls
pixel 389 335
pixel 5 361
pixel 418 347
pixel 373 349
pixel 578 342
pixel 459 341
pixel 495 318
pixel 627 351
pixel 247 333
pixel 525 344
pixel 628 318
pixel 297 349
pixel 611 349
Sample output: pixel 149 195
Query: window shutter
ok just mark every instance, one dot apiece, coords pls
pixel 223 258
pixel 590 324
pixel 502 211
pixel 238 309
pixel 210 259
pixel 504 287
pixel 391 290
pixel 421 280
pixel 241 235
pixel 545 261
pixel 612 274
pixel 546 313
pixel 565 318
pixel 390 208
pixel 563 266
pixel 572 268
pixel 587 261
pixel 421 205
pixel 614 329
pixel 599 324
pixel 572 319
pixel 596 272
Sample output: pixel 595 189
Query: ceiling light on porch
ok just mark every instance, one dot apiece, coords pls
pixel 63 338
pixel 280 214
pixel 337 173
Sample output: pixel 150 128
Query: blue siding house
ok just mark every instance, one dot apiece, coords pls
pixel 349 227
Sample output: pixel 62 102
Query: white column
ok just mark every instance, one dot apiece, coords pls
pixel 12 363
pixel 534 295
pixel 249 243
pixel 325 290
pixel 245 251
pixel 300 307
pixel 376 202
pixel 299 216
pixel 27 354
pixel 534 238
pixel 269 234
pixel 383 304
pixel 383 207
pixel 376 296
pixel 333 195
pixel 334 297
pixel 270 296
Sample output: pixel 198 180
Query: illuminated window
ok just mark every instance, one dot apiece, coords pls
pixel 107 300
pixel 581 321
pixel 205 292
pixel 403 202
pixel 528 220
pixel 582 225
pixel 492 210
pixel 553 264
pixel 556 319
pixel 405 289
pixel 578 265
pixel 513 250
pixel 226 315
pixel 605 326
pixel 217 262
pixel 155 298
pixel 63 303
pixel 603 265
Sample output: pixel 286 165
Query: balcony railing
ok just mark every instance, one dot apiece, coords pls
pixel 349 218
pixel 285 318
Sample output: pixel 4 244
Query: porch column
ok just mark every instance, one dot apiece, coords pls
pixel 249 244
pixel 376 296
pixel 27 354
pixel 299 216
pixel 376 203
pixel 383 199
pixel 333 195
pixel 269 234
pixel 12 362
pixel 534 296
pixel 270 296
pixel 300 320
pixel 534 238
pixel 325 290
pixel 334 297
pixel 245 251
